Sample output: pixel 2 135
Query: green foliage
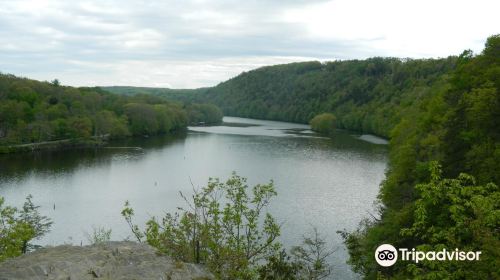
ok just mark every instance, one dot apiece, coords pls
pixel 197 113
pixel 107 123
pixel 323 123
pixel 142 118
pixel 226 227
pixel 369 96
pixel 20 226
pixel 79 127
pixel 128 214
pixel 32 111
pixel 456 126
pixel 456 213
pixel 99 235
pixel 307 261
pixel 147 119
pixel 312 257
pixel 204 114
pixel 131 91
pixel 280 266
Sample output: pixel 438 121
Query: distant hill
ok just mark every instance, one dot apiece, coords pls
pixel 178 94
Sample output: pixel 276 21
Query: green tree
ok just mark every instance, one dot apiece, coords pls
pixel 19 227
pixel 456 213
pixel 30 216
pixel 79 127
pixel 312 256
pixel 280 266
pixel 226 227
pixel 323 123
pixel 142 119
pixel 107 123
pixel 204 113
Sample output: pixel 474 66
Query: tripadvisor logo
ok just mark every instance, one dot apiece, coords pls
pixel 387 255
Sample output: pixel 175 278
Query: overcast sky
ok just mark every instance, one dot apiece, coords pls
pixel 196 43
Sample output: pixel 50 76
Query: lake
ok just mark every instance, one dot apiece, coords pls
pixel 328 183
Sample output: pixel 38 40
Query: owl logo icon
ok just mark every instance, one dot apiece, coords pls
pixel 386 255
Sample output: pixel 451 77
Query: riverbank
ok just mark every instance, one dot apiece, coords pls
pixel 55 145
pixel 76 143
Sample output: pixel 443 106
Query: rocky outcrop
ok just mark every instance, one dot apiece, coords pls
pixel 110 260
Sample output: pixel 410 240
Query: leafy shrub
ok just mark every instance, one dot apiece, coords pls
pixel 99 235
pixel 227 228
pixel 323 123
pixel 18 227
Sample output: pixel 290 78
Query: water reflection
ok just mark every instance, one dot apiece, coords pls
pixel 51 163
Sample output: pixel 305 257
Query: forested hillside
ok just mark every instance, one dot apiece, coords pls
pixel 453 134
pixel 33 112
pixel 365 95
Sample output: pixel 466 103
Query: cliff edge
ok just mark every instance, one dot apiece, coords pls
pixel 110 260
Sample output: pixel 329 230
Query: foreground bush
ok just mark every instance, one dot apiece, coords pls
pixel 18 227
pixel 227 227
pixel 449 213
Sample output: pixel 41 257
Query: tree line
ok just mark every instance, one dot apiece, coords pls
pixel 33 112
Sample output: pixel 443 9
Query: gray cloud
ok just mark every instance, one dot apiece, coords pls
pixel 186 43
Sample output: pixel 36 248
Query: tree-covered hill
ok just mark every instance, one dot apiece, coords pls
pixel 365 95
pixel 173 93
pixel 35 112
pixel 454 134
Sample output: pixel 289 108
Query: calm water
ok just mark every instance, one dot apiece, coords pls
pixel 328 183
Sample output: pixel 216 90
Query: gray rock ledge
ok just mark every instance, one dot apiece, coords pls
pixel 110 260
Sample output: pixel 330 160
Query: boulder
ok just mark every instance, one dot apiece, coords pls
pixel 109 260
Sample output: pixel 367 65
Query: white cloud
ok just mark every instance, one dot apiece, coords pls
pixel 194 43
pixel 424 28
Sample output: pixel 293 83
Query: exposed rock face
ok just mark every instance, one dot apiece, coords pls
pixel 111 260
